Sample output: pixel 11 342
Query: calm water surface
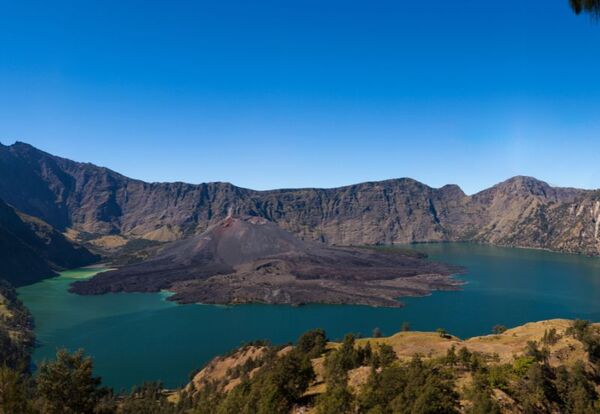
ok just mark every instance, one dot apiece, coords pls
pixel 139 337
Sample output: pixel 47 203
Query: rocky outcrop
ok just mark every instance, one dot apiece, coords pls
pixel 93 202
pixel 31 250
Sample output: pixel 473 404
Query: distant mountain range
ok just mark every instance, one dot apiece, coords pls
pixel 104 208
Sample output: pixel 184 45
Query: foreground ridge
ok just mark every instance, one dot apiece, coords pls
pixel 425 372
pixel 543 367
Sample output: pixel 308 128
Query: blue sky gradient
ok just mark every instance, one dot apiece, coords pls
pixel 272 94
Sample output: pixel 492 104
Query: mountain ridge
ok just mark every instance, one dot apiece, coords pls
pixel 31 250
pixel 96 201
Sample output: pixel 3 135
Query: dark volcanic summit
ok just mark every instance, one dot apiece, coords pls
pixel 251 259
pixel 235 241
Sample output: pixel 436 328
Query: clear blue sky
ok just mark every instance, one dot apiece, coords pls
pixel 280 93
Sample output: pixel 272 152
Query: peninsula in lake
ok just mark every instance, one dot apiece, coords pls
pixel 250 259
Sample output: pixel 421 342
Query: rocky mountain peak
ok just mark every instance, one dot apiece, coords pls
pixel 523 185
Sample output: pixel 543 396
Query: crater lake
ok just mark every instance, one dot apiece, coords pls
pixel 138 337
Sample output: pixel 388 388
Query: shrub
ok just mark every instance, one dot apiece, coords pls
pixel 442 332
pixel 499 376
pixel 533 351
pixel 451 358
pixel 522 364
pixel 464 356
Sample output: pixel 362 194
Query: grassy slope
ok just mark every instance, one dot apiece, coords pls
pixel 505 348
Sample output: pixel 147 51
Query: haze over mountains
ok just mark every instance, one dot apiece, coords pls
pixel 92 203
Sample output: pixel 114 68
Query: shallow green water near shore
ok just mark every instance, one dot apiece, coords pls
pixel 136 337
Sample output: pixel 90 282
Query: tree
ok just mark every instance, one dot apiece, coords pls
pixel 386 355
pixel 337 399
pixel 587 6
pixel 417 387
pixel 338 362
pixel 482 403
pixel 366 356
pixel 588 336
pixel 579 329
pixel 274 389
pixel 537 391
pixel 312 343
pixel 480 393
pixel 381 388
pixel 207 400
pixel 576 389
pixel 436 397
pixel 14 392
pixel 442 332
pixel 451 358
pixel 67 385
pixel 12 353
pixel 498 329
pixel 291 376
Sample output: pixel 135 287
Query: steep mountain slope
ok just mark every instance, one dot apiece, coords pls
pixel 251 259
pixel 16 329
pixel 95 202
pixel 526 212
pixel 31 250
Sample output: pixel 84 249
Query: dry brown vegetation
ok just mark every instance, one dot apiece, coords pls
pixel 508 348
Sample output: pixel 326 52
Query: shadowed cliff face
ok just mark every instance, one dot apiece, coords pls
pixel 251 259
pixel 95 201
pixel 31 250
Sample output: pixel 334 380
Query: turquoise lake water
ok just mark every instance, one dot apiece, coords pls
pixel 136 337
